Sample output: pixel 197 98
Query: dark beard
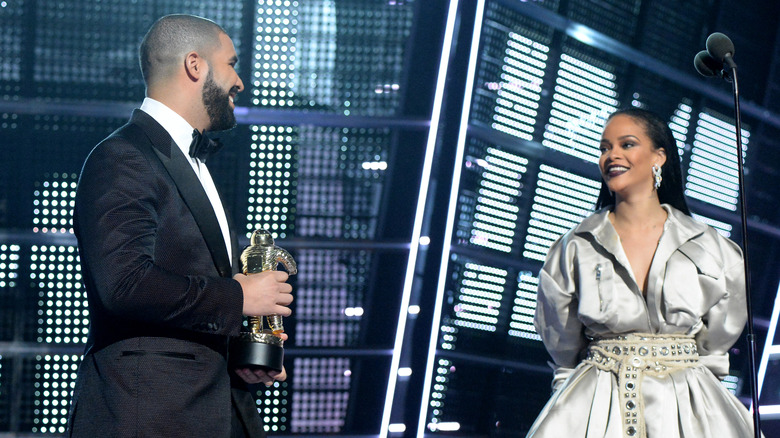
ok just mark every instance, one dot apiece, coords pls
pixel 217 104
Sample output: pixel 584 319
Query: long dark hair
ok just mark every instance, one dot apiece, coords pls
pixel 671 190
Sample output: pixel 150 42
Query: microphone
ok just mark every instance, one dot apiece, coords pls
pixel 706 65
pixel 720 47
pixel 718 60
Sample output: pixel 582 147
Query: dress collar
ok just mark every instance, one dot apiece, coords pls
pixel 678 227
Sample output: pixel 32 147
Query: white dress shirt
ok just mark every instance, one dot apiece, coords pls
pixel 181 132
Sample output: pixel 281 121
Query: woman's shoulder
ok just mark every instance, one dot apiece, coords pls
pixel 581 234
pixel 710 240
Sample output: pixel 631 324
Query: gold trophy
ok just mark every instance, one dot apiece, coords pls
pixel 262 347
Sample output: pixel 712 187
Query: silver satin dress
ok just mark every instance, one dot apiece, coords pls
pixel 587 291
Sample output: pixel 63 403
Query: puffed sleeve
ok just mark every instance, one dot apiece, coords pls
pixel 556 310
pixel 724 322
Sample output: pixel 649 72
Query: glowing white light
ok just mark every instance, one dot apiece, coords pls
pixel 374 165
pixel 410 274
pixel 453 202
pixel 353 311
pixel 444 426
pixel 404 372
pixel 396 428
pixel 581 33
pixel 771 351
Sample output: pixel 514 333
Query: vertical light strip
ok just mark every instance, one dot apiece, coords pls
pixel 712 172
pixel 403 313
pixel 453 202
pixel 770 349
pixel 522 318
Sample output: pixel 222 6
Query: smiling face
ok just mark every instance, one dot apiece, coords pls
pixel 627 157
pixel 221 86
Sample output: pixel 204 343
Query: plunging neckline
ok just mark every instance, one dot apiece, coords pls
pixel 643 288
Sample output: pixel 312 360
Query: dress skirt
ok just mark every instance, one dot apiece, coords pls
pixel 687 403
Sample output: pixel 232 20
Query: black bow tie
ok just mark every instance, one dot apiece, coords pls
pixel 202 146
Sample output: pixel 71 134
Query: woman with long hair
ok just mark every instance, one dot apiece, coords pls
pixel 639 304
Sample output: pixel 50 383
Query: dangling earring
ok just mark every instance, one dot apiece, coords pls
pixel 657 178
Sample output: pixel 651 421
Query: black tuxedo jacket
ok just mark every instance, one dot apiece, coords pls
pixel 162 301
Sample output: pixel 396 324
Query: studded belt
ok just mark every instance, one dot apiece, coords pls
pixel 630 357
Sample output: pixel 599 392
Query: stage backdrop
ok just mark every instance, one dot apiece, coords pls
pixel 417 158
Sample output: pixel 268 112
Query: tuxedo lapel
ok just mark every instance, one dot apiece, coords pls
pixel 155 141
pixel 235 253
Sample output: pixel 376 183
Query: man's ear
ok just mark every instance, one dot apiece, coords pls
pixel 195 66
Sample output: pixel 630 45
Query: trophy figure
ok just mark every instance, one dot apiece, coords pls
pixel 262 347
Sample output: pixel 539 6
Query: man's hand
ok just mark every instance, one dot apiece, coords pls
pixel 266 293
pixel 261 376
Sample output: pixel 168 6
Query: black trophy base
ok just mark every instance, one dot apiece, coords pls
pixel 257 351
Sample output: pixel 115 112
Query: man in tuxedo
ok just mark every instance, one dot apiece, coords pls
pixel 158 256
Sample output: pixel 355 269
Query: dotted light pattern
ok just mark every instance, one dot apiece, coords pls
pixel 331 286
pixel 480 290
pixel 328 313
pixel 321 394
pixel 616 18
pixel 273 405
pixel 442 376
pixel 585 95
pixel 722 227
pixel 55 272
pixel 677 23
pixel 55 378
pixel 12 26
pixel 491 206
pixel 732 383
pixel 9 265
pixel 53 202
pixel 680 125
pixel 342 174
pixel 273 54
pixel 100 48
pixel 319 182
pixel 522 319
pixel 9 278
pixel 88 51
pixel 273 164
pixel 298 62
pixel 337 71
pixel 561 201
pixel 272 180
pixel 321 199
pixel 449 336
pixel 317 56
pixel 511 72
pixel 9 122
pixel 61 125
pixel 712 172
pixel 520 88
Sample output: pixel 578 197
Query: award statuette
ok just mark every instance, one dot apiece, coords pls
pixel 262 347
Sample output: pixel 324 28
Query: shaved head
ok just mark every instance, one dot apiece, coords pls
pixel 164 47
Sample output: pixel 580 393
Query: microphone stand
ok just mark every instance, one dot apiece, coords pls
pixel 731 76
